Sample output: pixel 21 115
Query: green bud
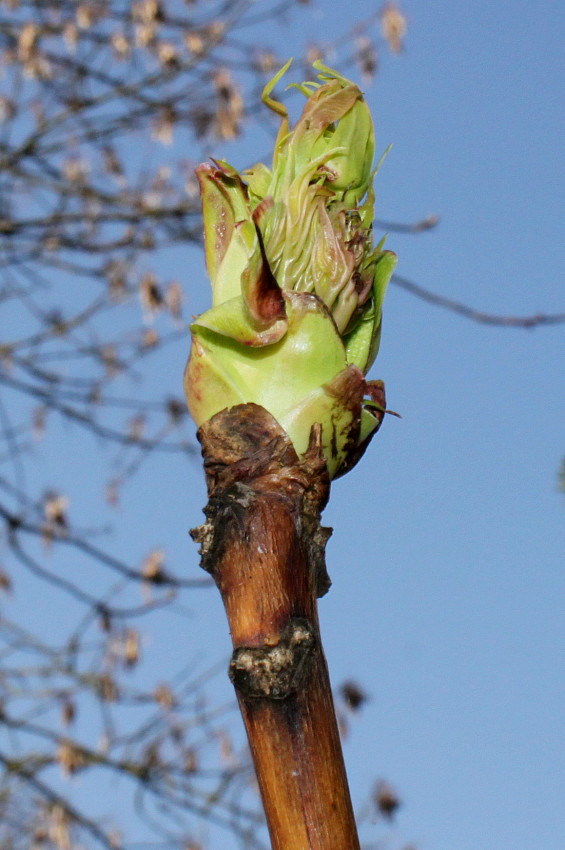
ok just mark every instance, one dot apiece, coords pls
pixel 315 207
pixel 297 286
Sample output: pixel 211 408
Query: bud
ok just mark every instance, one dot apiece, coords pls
pixel 297 286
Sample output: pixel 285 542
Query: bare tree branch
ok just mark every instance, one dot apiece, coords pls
pixel 97 98
pixel 480 316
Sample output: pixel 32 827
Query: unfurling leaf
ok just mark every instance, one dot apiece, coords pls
pixel 297 285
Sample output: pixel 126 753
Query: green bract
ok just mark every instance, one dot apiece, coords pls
pixel 297 285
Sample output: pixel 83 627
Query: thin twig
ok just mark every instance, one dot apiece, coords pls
pixel 480 316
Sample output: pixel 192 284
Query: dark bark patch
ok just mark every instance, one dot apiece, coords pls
pixel 274 672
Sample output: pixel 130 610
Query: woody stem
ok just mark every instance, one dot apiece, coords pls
pixel 264 546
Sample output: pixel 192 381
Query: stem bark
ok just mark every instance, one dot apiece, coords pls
pixel 263 544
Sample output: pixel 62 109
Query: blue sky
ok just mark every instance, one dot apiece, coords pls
pixel 452 593
pixel 448 551
pixel 447 558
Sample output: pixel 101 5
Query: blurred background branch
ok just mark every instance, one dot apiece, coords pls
pixel 96 99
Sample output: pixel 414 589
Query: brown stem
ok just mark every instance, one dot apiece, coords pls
pixel 264 546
